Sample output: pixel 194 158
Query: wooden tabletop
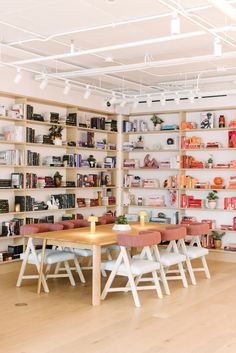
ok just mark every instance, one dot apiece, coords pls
pixel 104 234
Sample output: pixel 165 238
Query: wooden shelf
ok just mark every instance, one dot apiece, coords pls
pixel 8 118
pixel 207 189
pixel 207 209
pixel 11 237
pixel 63 188
pixel 208 130
pixel 209 169
pixel 151 151
pixel 208 149
pixel 152 169
pixel 143 188
pixel 155 207
pixel 152 132
pixel 12 143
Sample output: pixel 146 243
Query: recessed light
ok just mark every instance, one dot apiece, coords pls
pixel 109 59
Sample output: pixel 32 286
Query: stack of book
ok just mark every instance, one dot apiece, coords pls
pixel 4 206
pixel 232 182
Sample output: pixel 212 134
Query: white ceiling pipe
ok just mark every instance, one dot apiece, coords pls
pixel 142 65
pixel 224 7
pixel 118 46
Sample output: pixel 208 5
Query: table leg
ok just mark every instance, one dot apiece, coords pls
pixel 41 265
pixel 96 289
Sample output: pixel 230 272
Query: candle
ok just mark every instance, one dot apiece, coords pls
pixel 92 220
pixel 142 215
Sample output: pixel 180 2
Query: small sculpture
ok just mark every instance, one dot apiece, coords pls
pixel 53 204
pixel 150 163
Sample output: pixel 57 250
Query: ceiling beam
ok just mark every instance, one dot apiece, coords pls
pixel 224 7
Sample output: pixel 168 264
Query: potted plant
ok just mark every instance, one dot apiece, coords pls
pixel 92 161
pixel 55 134
pixel 57 179
pixel 121 224
pixel 157 121
pixel 212 199
pixel 105 143
pixel 217 238
pixel 210 162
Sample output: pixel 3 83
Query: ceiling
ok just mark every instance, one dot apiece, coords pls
pixel 36 36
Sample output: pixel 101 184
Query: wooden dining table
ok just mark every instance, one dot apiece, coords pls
pixel 83 239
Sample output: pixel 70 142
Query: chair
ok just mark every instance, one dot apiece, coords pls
pixel 52 256
pixel 132 268
pixel 194 232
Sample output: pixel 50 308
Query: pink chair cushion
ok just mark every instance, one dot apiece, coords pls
pixel 110 219
pixel 79 216
pixel 79 223
pixel 101 220
pixel 142 239
pixel 29 229
pixel 197 229
pixel 66 224
pixel 181 229
pixel 173 233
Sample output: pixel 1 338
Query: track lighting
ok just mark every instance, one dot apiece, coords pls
pixel 177 99
pixel 217 47
pixel 87 93
pixel 43 83
pixel 18 76
pixel 109 59
pixel 72 47
pixel 175 24
pixel 191 97
pixel 163 100
pixel 135 103
pixel 123 102
pixel 67 87
pixel 149 101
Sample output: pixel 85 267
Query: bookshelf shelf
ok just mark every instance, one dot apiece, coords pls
pixel 209 130
pixel 155 207
pixel 151 151
pixel 30 108
pixel 151 132
pixel 208 149
pixel 9 261
pixel 143 188
pixel 207 209
pixel 152 169
pixel 11 237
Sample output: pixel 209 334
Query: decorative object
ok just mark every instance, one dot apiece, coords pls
pixel 92 220
pixel 53 204
pixel 41 182
pixel 56 134
pixel 157 121
pixel 207 120
pixel 221 121
pixel 142 215
pixel 209 163
pixel 139 143
pixel 92 161
pixel 217 238
pixel 150 163
pixel 218 183
pixel 212 199
pixel 121 224
pixel 57 179
pixel 99 198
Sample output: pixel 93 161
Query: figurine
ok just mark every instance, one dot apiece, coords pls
pixel 150 163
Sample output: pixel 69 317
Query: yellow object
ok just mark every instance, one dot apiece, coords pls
pixel 92 220
pixel 142 215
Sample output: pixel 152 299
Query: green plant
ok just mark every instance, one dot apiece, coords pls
pixel 212 196
pixel 55 132
pixel 122 220
pixel 104 141
pixel 57 175
pixel 216 235
pixel 156 120
pixel 210 160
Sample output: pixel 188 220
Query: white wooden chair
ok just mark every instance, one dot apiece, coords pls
pixel 52 256
pixel 131 268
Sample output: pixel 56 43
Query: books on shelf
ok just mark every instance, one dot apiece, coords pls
pixel 33 158
pixel 4 206
pixel 12 157
pixel 64 201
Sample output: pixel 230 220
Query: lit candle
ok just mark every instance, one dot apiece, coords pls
pixel 92 220
pixel 142 215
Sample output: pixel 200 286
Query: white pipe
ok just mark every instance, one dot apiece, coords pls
pixel 115 47
pixel 146 65
pixel 224 7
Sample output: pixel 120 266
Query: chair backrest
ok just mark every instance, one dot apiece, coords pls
pixel 173 233
pixel 142 239
pixel 79 223
pixel 197 228
pixel 29 229
pixel 66 224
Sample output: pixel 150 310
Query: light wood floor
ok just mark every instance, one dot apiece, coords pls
pixel 198 319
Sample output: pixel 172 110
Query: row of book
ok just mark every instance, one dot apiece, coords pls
pixel 12 157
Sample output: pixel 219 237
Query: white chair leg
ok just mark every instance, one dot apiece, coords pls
pixel 78 269
pixel 71 278
pixel 190 271
pixel 157 284
pixel 182 275
pixel 23 265
pixel 57 269
pixel 111 277
pixel 205 266
pixel 103 273
pixel 47 271
pixel 164 280
pixel 131 278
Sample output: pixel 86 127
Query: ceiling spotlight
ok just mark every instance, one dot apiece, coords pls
pixel 177 99
pixel 217 47
pixel 109 59
pixel 191 97
pixel 67 87
pixel 87 93
pixel 149 101
pixel 43 83
pixel 18 76
pixel 136 102
pixel 163 100
pixel 175 24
